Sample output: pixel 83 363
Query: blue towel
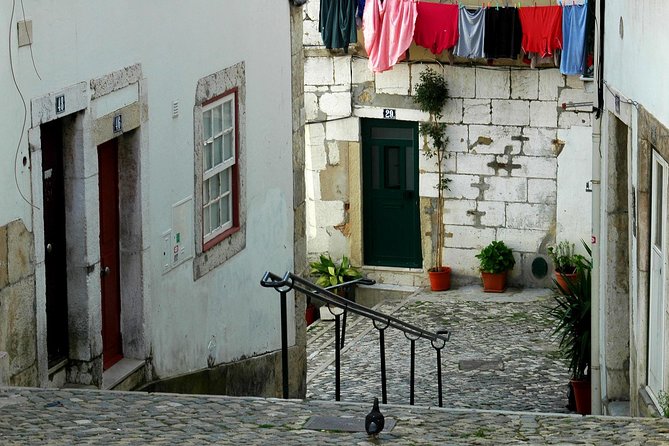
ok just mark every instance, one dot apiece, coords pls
pixel 361 7
pixel 573 39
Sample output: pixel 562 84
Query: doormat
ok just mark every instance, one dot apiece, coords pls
pixel 343 424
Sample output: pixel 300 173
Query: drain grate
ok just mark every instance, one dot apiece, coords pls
pixel 343 424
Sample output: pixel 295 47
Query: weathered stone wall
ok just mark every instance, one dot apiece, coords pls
pixel 18 330
pixel 509 136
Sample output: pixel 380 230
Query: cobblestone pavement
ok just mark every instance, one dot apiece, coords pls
pixel 508 336
pixel 74 417
pixel 509 329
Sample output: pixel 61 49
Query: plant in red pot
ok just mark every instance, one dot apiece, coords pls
pixel 565 261
pixel 431 95
pixel 572 316
pixel 495 260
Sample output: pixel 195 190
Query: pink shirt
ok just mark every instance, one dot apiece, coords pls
pixel 388 28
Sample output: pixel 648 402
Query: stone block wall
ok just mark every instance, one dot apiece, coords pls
pixel 18 327
pixel 508 135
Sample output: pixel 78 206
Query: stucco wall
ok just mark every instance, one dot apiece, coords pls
pixel 175 45
pixel 519 162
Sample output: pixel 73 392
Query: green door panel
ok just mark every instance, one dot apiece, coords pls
pixel 391 221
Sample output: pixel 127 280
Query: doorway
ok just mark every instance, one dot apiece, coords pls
pixel 55 252
pixel 658 262
pixel 390 206
pixel 112 350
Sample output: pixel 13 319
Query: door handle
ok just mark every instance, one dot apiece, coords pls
pixel 408 194
pixel 49 248
pixel 104 271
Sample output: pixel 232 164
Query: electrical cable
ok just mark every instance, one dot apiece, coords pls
pixel 25 107
pixel 30 42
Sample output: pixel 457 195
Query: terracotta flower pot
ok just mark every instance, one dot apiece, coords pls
pixel 494 282
pixel 440 280
pixel 563 278
pixel 581 389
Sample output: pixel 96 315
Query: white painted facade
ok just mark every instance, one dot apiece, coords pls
pixel 507 115
pixel 634 136
pixel 146 58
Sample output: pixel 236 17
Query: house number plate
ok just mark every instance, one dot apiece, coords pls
pixel 389 113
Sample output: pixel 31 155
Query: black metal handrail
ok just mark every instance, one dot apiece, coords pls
pixel 380 321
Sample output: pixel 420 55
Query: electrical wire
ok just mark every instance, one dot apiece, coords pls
pixel 25 107
pixel 30 42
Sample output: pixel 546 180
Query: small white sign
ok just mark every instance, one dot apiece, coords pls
pixel 389 113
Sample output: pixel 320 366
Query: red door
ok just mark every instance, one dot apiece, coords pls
pixel 55 262
pixel 112 350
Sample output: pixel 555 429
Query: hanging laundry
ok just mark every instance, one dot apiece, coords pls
pixel 542 29
pixel 337 23
pixel 471 26
pixel 361 7
pixel 436 26
pixel 388 27
pixel 503 33
pixel 573 32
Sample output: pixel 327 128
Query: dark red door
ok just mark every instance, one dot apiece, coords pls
pixel 55 264
pixel 112 350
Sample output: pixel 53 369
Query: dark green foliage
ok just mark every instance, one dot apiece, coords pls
pixel 564 258
pixel 329 273
pixel 496 258
pixel 572 316
pixel 431 92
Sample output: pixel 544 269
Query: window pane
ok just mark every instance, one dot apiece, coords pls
pixel 207 223
pixel 391 175
pixel 392 133
pixel 215 215
pixel 206 122
pixel 659 202
pixel 409 168
pixel 214 187
pixel 205 192
pixel 225 209
pixel 227 115
pixel 217 120
pixel 218 150
pixel 225 181
pixel 228 146
pixel 207 156
pixel 375 167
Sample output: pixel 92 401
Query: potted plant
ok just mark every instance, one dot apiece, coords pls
pixel 495 260
pixel 565 261
pixel 330 273
pixel 572 316
pixel 431 94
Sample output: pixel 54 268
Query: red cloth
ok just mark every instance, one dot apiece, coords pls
pixel 436 26
pixel 542 29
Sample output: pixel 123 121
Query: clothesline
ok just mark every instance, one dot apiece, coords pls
pixel 516 4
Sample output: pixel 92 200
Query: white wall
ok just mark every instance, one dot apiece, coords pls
pixel 176 44
pixel 636 64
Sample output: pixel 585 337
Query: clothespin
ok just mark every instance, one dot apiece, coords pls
pixel 497 7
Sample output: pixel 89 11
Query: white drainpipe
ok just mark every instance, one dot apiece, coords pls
pixel 595 376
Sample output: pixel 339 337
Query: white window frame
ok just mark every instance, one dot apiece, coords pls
pixel 229 164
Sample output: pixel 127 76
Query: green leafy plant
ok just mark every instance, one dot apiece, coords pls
pixel 496 258
pixel 330 273
pixel 564 257
pixel 572 316
pixel 431 94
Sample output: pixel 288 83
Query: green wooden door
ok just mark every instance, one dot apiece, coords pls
pixel 391 222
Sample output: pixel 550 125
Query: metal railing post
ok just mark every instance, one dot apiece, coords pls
pixel 284 343
pixel 413 371
pixel 441 402
pixel 337 359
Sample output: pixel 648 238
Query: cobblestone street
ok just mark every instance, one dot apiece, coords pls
pixel 510 359
pixel 509 365
pixel 73 417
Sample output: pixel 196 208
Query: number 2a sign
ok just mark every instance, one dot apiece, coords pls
pixel 389 113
